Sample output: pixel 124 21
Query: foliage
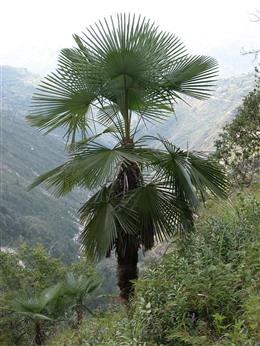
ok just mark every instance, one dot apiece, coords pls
pixel 203 292
pixel 35 286
pixel 200 292
pixel 56 302
pixel 238 147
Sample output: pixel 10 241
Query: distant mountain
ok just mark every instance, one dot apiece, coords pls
pixel 198 124
pixel 36 216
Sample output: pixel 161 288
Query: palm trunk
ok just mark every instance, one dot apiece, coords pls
pixel 127 259
pixel 39 333
pixel 80 316
pixel 127 245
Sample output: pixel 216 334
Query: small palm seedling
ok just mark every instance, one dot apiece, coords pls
pixel 38 308
pixel 76 290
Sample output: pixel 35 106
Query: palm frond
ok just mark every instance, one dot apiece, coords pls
pixel 172 167
pixel 126 62
pixel 103 217
pixel 131 33
pixel 161 214
pixel 91 166
pixel 207 175
pixel 64 98
pixel 80 285
pixel 187 173
pixel 193 76
pixel 35 305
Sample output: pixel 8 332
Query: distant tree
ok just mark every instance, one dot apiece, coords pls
pixel 124 73
pixel 238 146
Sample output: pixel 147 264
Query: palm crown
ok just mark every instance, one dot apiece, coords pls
pixel 124 73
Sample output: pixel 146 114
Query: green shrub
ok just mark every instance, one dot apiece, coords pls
pixel 208 289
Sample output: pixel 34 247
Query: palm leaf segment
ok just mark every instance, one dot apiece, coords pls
pixel 119 66
pixel 49 302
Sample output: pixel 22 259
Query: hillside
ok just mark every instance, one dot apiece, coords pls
pixel 36 216
pixel 197 124
pixel 33 216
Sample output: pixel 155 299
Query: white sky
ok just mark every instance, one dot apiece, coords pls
pixel 33 31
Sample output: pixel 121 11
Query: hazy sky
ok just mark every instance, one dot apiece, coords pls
pixel 33 31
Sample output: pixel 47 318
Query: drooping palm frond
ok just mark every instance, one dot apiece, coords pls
pixel 207 175
pixel 148 212
pixel 103 217
pixel 91 166
pixel 160 213
pixel 187 173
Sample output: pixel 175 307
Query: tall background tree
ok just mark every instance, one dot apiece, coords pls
pixel 123 74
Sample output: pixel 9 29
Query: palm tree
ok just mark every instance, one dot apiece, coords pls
pixel 77 288
pixel 51 303
pixel 38 308
pixel 124 74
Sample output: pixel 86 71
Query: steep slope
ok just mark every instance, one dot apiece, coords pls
pixel 33 216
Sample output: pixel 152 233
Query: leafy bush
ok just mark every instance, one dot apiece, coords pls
pixel 203 291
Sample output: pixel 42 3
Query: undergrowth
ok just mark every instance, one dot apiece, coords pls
pixel 205 290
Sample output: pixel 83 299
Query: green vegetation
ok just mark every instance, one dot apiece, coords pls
pixel 202 286
pixel 204 291
pixel 38 292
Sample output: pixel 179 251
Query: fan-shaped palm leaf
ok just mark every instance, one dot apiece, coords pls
pixel 103 217
pixel 186 173
pixel 78 286
pixel 160 213
pixel 193 76
pixel 125 63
